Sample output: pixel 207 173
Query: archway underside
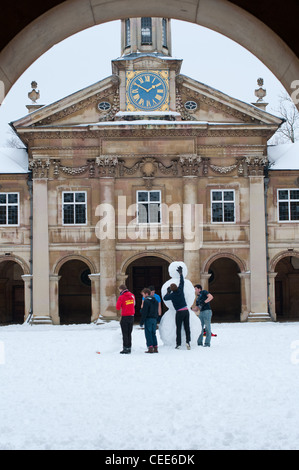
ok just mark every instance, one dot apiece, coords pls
pixel 269 33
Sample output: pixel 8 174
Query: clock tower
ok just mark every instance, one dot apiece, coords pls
pixel 146 70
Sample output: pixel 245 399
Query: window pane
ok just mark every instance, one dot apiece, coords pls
pixel 143 213
pixel 68 197
pixel 217 195
pixel 154 196
pixel 217 212
pixel 294 194
pixel 80 214
pixel 2 198
pixel 12 198
pixel 2 215
pixel 12 215
pixel 68 214
pixel 154 213
pixel 142 196
pixel 146 30
pixel 283 194
pixel 294 210
pixel 80 197
pixel 283 211
pixel 228 195
pixel 229 212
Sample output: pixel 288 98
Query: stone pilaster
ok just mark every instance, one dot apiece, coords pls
pixel 27 294
pixel 54 298
pixel 95 296
pixel 258 265
pixel 41 284
pixel 107 247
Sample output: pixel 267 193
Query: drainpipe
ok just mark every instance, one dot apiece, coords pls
pixel 266 186
pixel 30 189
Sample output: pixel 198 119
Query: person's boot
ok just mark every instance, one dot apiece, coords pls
pixel 126 351
pixel 156 349
pixel 150 350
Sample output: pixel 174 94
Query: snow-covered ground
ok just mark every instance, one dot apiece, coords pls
pixel 57 393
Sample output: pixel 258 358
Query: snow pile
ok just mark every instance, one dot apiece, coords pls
pixel 284 156
pixel 57 393
pixel 13 160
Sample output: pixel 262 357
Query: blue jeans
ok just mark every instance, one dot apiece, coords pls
pixel 205 317
pixel 150 327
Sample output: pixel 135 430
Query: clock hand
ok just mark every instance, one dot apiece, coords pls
pixel 145 89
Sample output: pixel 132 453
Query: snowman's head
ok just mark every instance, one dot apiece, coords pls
pixel 172 269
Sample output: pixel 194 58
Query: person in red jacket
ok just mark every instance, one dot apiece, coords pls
pixel 126 303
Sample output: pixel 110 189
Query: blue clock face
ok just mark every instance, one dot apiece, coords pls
pixel 148 91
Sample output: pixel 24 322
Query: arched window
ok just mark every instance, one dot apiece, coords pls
pixel 164 32
pixel 146 31
pixel 127 33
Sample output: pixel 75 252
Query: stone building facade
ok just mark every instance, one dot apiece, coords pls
pixel 140 169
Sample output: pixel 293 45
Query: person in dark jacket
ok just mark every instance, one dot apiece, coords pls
pixel 176 295
pixel 149 317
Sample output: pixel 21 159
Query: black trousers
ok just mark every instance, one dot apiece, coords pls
pixel 126 324
pixel 182 317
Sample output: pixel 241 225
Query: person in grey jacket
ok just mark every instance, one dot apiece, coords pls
pixel 149 318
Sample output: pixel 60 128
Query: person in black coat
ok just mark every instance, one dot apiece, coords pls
pixel 176 295
pixel 149 318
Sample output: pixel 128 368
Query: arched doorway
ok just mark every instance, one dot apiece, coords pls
pixel 145 272
pixel 12 304
pixel 225 286
pixel 286 289
pixel 74 293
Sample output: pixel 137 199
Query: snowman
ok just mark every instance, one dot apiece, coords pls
pixel 167 327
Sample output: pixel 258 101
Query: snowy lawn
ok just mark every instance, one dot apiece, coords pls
pixel 57 393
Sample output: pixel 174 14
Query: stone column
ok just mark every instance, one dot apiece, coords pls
pixel 106 234
pixel 245 295
pixel 204 281
pixel 27 294
pixel 54 298
pixel 191 217
pixel 258 264
pixel 272 276
pixel 95 296
pixel 41 284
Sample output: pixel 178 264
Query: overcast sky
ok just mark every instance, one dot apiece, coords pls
pixel 85 58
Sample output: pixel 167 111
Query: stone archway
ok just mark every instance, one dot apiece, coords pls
pixel 72 16
pixel 286 265
pixel 224 283
pixel 144 271
pixel 74 292
pixel 12 301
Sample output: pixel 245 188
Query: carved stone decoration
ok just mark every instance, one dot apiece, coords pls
pixel 190 164
pixel 148 167
pixel 39 168
pixel 107 165
pixel 256 165
pixel 223 169
pixel 205 168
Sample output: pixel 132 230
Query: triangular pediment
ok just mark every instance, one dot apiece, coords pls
pixel 83 107
pixel 214 106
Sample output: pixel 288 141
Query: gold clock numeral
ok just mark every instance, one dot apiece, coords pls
pixel 141 102
pixel 136 97
pixel 147 78
pixel 160 91
pixel 158 97
pixel 148 103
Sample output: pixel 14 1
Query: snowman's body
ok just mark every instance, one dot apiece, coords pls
pixel 167 327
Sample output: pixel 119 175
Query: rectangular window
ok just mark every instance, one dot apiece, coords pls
pixel 149 207
pixel 164 32
pixel 223 206
pixel 9 209
pixel 146 31
pixel 74 208
pixel 288 205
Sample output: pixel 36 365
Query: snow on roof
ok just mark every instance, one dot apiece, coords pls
pixel 284 156
pixel 13 160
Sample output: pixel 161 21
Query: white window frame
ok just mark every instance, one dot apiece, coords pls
pixel 7 204
pixel 223 202
pixel 149 202
pixel 74 203
pixel 289 200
